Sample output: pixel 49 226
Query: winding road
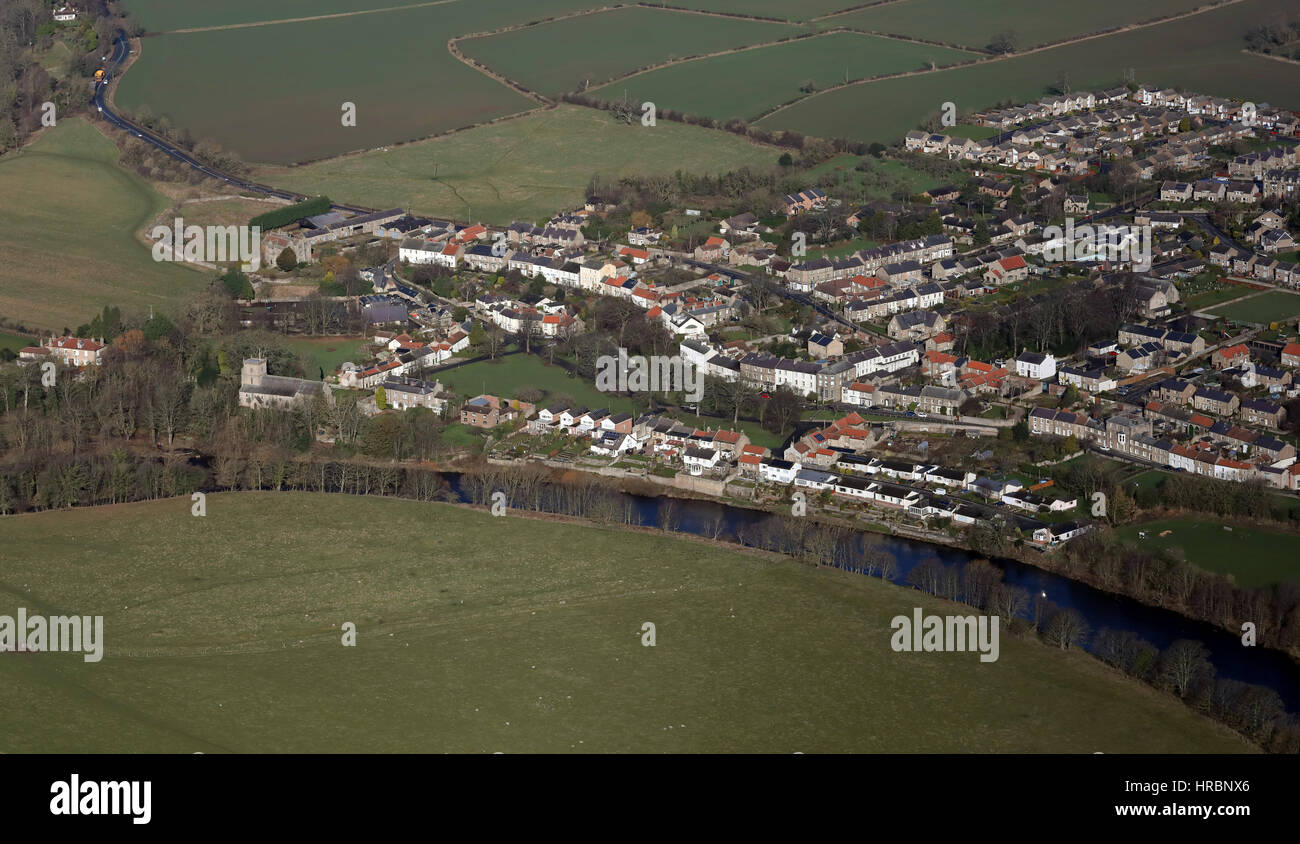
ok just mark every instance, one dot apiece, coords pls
pixel 121 50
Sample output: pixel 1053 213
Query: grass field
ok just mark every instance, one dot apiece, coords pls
pixel 1216 296
pixel 526 169
pixel 327 352
pixel 508 375
pixel 970 130
pixel 1263 309
pixel 222 634
pixel 975 24
pixel 14 342
pixel 68 236
pixel 233 211
pixel 56 59
pixel 896 173
pixel 1200 53
pixel 773 75
pixel 1253 557
pixel 613 44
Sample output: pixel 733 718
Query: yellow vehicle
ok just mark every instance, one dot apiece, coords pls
pixel 99 74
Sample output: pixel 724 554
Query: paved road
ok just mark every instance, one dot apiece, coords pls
pixel 121 50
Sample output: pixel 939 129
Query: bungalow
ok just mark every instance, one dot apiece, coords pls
pixel 815 479
pixel 636 256
pixel 1035 503
pixel 1054 534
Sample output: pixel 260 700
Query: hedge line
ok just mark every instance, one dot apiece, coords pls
pixel 291 213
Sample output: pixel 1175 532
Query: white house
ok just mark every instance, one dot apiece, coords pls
pixel 426 252
pixel 815 479
pixel 777 471
pixel 698 459
pixel 1036 365
pixel 611 443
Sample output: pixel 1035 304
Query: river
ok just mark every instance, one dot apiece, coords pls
pixel 1231 659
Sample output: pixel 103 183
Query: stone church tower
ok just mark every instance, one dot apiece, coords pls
pixel 253 373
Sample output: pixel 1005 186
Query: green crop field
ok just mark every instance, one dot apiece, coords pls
pixel 295 79
pixel 223 634
pixel 1264 308
pixel 169 15
pixel 1252 555
pixel 68 231
pixel 780 9
pixel 975 24
pixel 1202 53
pixel 298 73
pixel 269 83
pixel 613 44
pixel 746 84
pixel 528 168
